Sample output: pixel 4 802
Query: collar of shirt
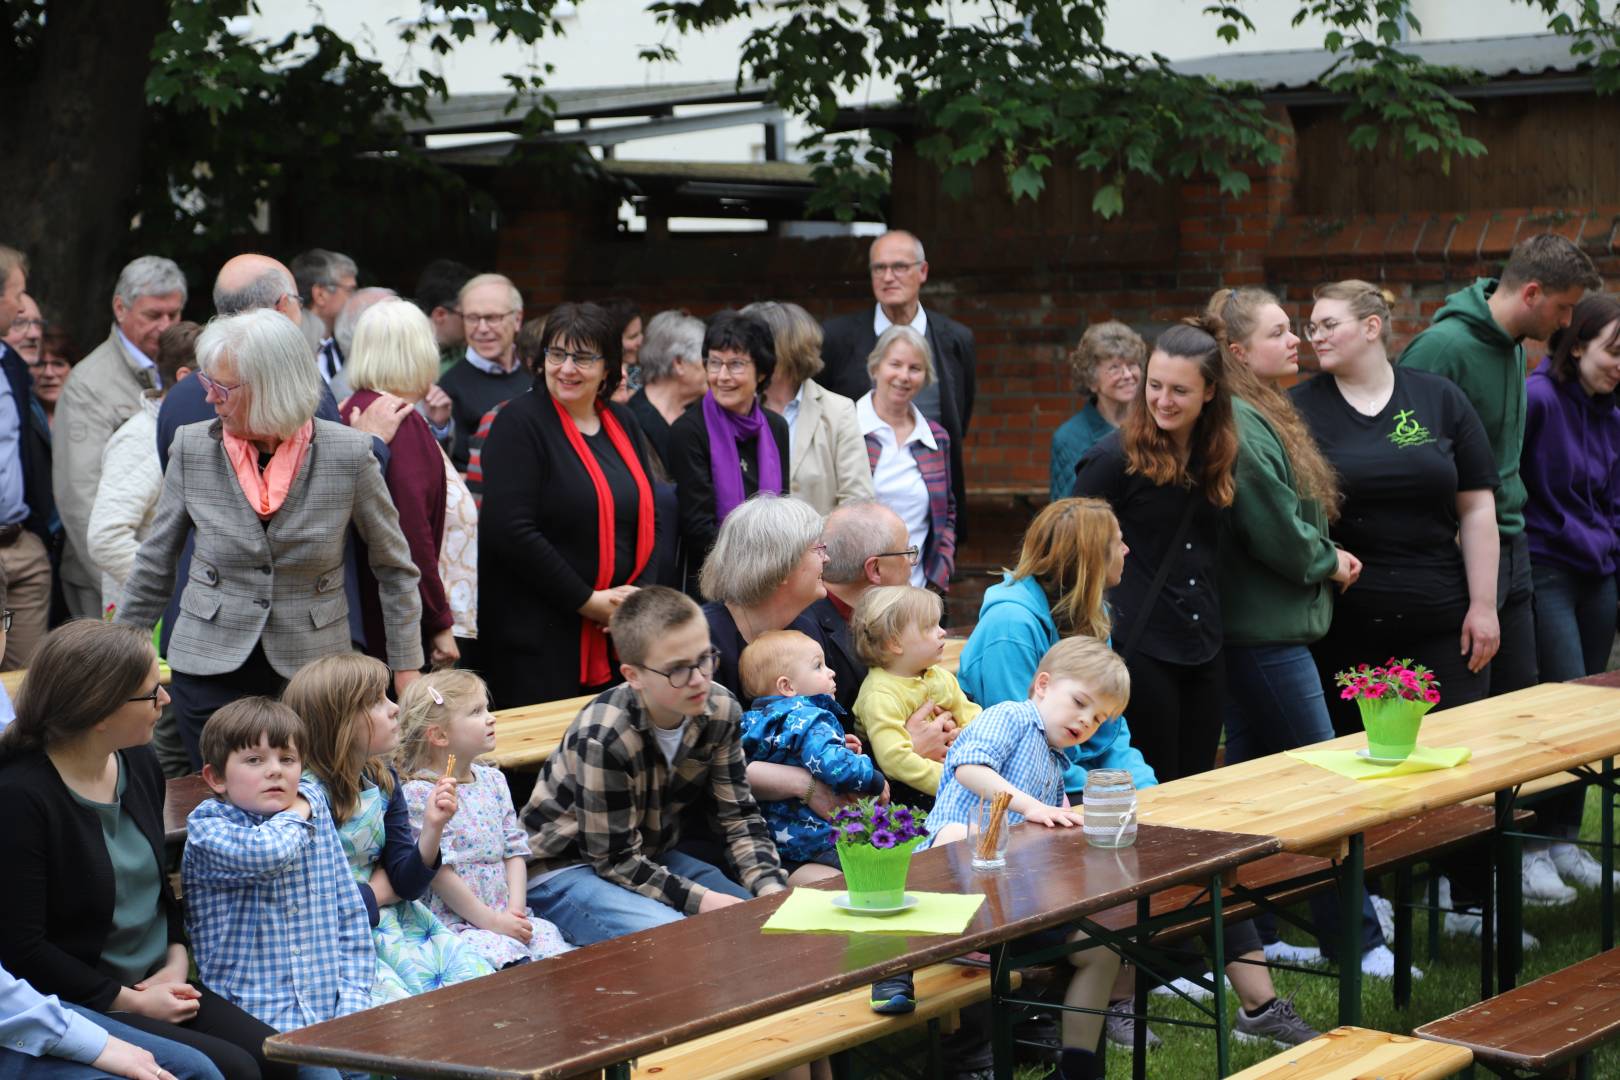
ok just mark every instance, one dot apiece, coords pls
pixel 868 419
pixel 136 355
pixel 790 411
pixel 881 322
pixel 488 367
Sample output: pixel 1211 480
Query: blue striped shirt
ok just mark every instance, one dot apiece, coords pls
pixel 1009 739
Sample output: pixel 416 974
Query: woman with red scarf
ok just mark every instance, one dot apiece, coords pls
pixel 728 446
pixel 566 528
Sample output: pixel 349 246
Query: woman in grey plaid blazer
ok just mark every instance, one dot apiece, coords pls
pixel 271 493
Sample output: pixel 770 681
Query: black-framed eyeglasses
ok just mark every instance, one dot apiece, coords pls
pixel 584 361
pixel 682 675
pixel 5 620
pixel 152 697
pixel 910 554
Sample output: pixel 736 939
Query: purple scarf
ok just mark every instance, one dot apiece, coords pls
pixel 726 430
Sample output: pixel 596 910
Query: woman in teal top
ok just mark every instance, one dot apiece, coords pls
pixel 1107 364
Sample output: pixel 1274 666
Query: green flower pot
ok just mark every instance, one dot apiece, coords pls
pixel 1392 725
pixel 876 877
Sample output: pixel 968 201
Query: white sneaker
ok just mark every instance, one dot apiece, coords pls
pixel 1281 952
pixel 1577 866
pixel 1188 987
pixel 1467 923
pixel 1384 908
pixel 1379 963
pixel 1540 881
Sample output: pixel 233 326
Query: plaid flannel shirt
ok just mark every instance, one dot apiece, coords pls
pixel 277 924
pixel 608 799
pixel 939 550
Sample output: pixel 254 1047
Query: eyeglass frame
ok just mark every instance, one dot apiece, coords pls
pixel 5 619
pixel 710 658
pixel 1327 326
pixel 208 384
pixel 582 361
pixel 496 319
pixel 883 270
pixel 734 368
pixel 152 697
pixel 912 555
pixel 37 324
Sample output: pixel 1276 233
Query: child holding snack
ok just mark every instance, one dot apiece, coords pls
pixel 277 926
pixel 351 729
pixel 1017 748
pixel 481 891
pixel 897 632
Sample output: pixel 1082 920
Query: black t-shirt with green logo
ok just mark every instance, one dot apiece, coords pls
pixel 1400 472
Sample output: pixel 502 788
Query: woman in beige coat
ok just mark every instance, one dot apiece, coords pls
pixel 827 459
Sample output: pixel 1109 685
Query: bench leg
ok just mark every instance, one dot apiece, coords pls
pixel 1434 914
pixel 1351 868
pixel 1139 1005
pixel 1001 1014
pixel 1403 936
pixel 1223 1050
pixel 1509 889
pixel 1606 805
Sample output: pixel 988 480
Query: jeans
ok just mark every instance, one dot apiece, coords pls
pixel 587 909
pixel 183 1062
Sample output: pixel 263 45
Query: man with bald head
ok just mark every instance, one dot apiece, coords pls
pixel 251 281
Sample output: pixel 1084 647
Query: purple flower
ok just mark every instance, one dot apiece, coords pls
pixel 901 815
pixel 883 838
pixel 853 830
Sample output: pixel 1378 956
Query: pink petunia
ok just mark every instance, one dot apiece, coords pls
pixel 1431 695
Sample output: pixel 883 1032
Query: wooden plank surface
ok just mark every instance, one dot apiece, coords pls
pixel 1352 1053
pixel 13 680
pixel 1514 738
pixel 621 999
pixel 1541 1024
pixel 180 798
pixel 526 736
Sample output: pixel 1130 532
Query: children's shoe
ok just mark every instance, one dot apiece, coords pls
pixel 1540 881
pixel 1281 952
pixel 1379 963
pixel 894 996
pixel 1120 1027
pixel 1384 908
pixel 1578 867
pixel 1194 990
pixel 1277 1023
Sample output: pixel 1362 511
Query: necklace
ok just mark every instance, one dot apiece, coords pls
pixel 1369 404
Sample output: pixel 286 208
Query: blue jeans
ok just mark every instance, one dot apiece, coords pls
pixel 587 909
pixel 1274 701
pixel 1574 627
pixel 183 1062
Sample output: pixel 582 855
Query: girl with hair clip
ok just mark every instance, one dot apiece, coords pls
pixel 481 891
pixel 351 731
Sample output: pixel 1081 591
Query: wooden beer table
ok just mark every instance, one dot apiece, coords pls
pixel 599 1007
pixel 1514 739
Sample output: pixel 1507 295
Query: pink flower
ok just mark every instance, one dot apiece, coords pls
pixel 1431 695
pixel 1348 693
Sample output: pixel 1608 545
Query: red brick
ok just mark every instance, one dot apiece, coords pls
pixel 1503 232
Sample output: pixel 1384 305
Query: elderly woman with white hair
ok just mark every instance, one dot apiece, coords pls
pixel 393 351
pixel 673 378
pixel 270 493
pixel 909 454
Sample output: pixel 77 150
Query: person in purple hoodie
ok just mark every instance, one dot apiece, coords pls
pixel 1571 469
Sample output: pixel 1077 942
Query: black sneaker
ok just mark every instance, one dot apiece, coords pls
pixel 894 996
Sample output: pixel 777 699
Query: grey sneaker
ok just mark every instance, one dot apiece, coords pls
pixel 1279 1023
pixel 1120 1027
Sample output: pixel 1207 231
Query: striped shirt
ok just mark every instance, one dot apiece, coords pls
pixel 1010 740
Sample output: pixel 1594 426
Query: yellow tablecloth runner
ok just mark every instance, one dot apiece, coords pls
pixel 1347 763
pixel 811 911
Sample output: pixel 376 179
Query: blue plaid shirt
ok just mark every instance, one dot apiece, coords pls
pixel 277 925
pixel 1009 739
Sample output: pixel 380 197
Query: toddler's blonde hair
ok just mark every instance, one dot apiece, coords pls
pixel 885 612
pixel 767 657
pixel 1087 660
pixel 430 702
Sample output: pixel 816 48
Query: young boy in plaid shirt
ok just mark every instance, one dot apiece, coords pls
pixel 606 811
pixel 277 925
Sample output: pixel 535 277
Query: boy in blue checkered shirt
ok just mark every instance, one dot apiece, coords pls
pixel 1017 747
pixel 277 925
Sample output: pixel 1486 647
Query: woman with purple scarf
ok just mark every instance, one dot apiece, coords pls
pixel 728 446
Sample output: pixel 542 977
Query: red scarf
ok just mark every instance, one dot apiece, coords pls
pixel 594 668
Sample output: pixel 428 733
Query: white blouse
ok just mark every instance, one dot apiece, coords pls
pixel 897 480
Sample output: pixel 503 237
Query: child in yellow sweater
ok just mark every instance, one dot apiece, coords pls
pixel 897 632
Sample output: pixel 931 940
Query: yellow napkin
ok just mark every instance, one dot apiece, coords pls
pixel 811 911
pixel 1347 763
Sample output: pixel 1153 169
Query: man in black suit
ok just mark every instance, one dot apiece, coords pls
pixel 898 269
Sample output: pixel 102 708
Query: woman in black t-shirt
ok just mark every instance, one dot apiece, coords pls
pixel 1418 479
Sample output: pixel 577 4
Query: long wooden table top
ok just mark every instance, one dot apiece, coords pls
pixel 1514 738
pixel 526 736
pixel 13 680
pixel 614 1001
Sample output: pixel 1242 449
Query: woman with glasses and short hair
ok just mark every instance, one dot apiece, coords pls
pixel 567 525
pixel 1107 364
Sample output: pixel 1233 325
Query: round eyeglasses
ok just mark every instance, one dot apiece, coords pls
pixel 681 674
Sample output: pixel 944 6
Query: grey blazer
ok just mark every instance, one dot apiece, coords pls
pixel 277 583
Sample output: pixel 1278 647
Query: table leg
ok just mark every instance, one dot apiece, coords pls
pixel 1606 806
pixel 1509 894
pixel 1139 1003
pixel 1351 869
pixel 1001 1018
pixel 1403 935
pixel 621 1071
pixel 1218 969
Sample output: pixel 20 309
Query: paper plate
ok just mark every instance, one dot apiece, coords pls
pixel 842 901
pixel 1366 755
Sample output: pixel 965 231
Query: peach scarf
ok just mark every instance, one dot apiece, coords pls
pixel 266 490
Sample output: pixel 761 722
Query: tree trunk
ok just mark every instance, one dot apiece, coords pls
pixel 74 138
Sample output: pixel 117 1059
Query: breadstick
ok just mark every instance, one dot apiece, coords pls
pixel 450 768
pixel 990 830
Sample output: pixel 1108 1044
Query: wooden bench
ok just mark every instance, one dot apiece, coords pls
pixel 1541 1025
pixel 1353 1053
pixel 811 1032
pixel 180 797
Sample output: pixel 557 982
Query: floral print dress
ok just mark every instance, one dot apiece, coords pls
pixel 415 952
pixel 476 844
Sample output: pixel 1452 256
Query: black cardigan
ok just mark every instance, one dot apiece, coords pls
pixel 689 466
pixel 56 906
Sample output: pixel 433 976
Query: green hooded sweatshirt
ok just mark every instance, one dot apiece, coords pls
pixel 1469 347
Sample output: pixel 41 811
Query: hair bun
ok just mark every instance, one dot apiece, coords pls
pixel 1388 295
pixel 1209 322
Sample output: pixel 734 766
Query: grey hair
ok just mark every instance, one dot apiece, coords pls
pixel 361 302
pixel 853 533
pixel 514 297
pixel 264 291
pixel 906 334
pixel 150 275
pixel 760 543
pixel 671 335
pixel 317 266
pixel 395 351
pixel 916 243
pixel 273 363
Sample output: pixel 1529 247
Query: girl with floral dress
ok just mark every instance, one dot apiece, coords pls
pixel 481 891
pixel 351 730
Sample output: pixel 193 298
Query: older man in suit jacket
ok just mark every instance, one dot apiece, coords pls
pixel 899 269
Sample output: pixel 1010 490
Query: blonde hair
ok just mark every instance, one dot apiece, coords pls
pixel 646 616
pixel 1068 547
pixel 394 351
pixel 331 695
pixel 768 657
pixel 1364 300
pixel 885 612
pixel 1104 341
pixel 796 335
pixel 432 702
pixel 1087 660
pixel 1239 312
pixel 892 337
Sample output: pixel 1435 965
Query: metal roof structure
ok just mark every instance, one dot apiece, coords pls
pixel 474 113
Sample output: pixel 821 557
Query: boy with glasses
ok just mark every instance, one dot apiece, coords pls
pixel 604 818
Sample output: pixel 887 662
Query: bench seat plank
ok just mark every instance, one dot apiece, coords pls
pixel 1352 1053
pixel 1541 1024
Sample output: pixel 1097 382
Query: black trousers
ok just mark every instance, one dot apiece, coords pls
pixel 196 697
pixel 232 1040
pixel 1175 713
